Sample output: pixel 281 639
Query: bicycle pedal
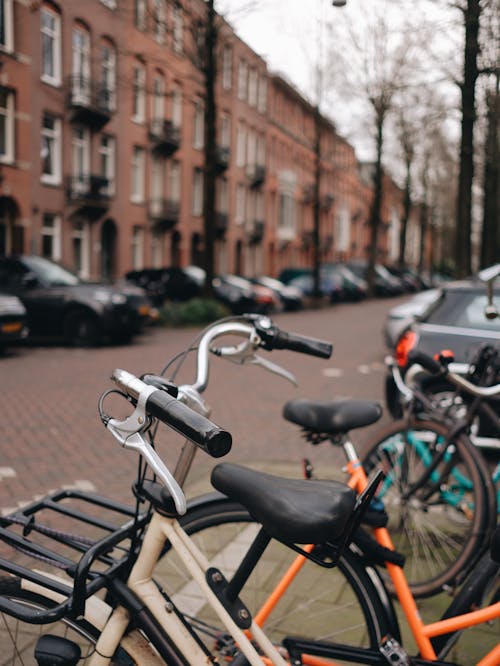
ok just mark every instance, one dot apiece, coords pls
pixel 394 653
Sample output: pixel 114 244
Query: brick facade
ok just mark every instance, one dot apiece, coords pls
pixel 102 162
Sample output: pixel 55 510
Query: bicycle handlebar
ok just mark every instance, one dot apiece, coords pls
pixel 274 338
pixel 435 367
pixel 210 437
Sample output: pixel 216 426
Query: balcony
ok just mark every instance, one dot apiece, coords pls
pixel 88 194
pixel 89 102
pixel 255 232
pixel 221 224
pixel 222 155
pixel 164 136
pixel 256 174
pixel 164 212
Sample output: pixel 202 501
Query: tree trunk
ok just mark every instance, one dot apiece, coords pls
pixel 376 206
pixel 406 216
pixel 209 180
pixel 464 203
pixel 316 206
pixel 490 242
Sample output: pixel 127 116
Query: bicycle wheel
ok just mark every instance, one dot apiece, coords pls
pixel 18 639
pixel 341 605
pixel 439 499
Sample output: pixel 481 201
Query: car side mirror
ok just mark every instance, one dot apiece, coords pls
pixel 29 281
pixel 489 275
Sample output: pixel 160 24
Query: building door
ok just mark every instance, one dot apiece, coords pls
pixel 175 258
pixel 108 249
pixel 11 235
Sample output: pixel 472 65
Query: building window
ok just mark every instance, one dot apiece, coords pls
pixel 80 242
pixel 6 26
pixel 160 23
pixel 51 236
pixel 140 14
pixel 139 94
pixel 242 79
pixel 158 110
pixel 51 46
pixel 261 150
pixel 81 65
pixel 137 248
pixel 157 179
pixel 174 181
pixel 225 131
pixel 251 148
pixel 222 195
pixel 198 192
pixel 6 126
pixel 107 162
pixel 239 216
pixel 262 101
pixel 51 149
pixel 138 173
pixel 287 212
pixel 157 239
pixel 176 107
pixel 227 67
pixel 241 138
pixel 252 87
pixel 81 159
pixel 178 29
pixel 108 77
pixel 199 126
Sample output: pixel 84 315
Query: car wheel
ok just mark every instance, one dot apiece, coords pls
pixel 82 329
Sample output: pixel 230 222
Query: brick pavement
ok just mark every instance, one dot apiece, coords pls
pixel 52 436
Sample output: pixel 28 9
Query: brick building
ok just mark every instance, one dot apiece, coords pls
pixel 101 146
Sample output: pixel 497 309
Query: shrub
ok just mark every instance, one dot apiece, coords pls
pixel 192 312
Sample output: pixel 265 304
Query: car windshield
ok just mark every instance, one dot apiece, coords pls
pixel 271 283
pixel 49 273
pixel 460 308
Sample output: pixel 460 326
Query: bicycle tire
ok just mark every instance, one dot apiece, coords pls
pixel 444 525
pixel 18 639
pixel 345 603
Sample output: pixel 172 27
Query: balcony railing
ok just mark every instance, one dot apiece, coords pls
pixel 256 174
pixel 89 194
pixel 89 102
pixel 221 223
pixel 222 158
pixel 255 232
pixel 164 212
pixel 164 136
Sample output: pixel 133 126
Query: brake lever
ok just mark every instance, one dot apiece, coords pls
pixel 273 367
pixel 129 434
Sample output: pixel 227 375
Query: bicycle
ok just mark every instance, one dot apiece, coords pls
pixel 363 577
pixel 429 490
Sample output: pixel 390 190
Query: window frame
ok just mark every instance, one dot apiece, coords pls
pixel 198 192
pixel 80 65
pixel 7 46
pixel 139 93
pixel 54 134
pixel 54 233
pixel 138 169
pixel 108 74
pixel 199 125
pixel 227 67
pixel 107 156
pixel 55 36
pixel 10 119
pixel 177 29
pixel 160 21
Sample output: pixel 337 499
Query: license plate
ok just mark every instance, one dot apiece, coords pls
pixel 12 327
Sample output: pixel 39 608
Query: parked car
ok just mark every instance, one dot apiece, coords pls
pixel 455 320
pixel 12 320
pixel 61 305
pixel 354 287
pixel 331 285
pixel 385 283
pixel 169 283
pixel 291 298
pixel 401 316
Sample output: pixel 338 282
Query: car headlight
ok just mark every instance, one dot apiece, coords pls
pixel 11 305
pixel 106 297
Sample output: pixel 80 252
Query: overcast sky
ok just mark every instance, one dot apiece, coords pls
pixel 287 34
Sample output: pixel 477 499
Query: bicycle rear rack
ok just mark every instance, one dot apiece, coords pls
pixel 91 555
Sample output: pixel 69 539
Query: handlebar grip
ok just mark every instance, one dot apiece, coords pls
pixel 207 435
pixel 302 344
pixel 427 362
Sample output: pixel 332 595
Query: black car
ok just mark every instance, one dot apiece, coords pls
pixel 291 298
pixel 60 305
pixel 385 283
pixel 12 320
pixel 456 321
pixel 165 284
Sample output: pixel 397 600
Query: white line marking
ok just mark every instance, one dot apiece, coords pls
pixel 333 372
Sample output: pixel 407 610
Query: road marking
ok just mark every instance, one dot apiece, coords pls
pixel 333 372
pixel 364 369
